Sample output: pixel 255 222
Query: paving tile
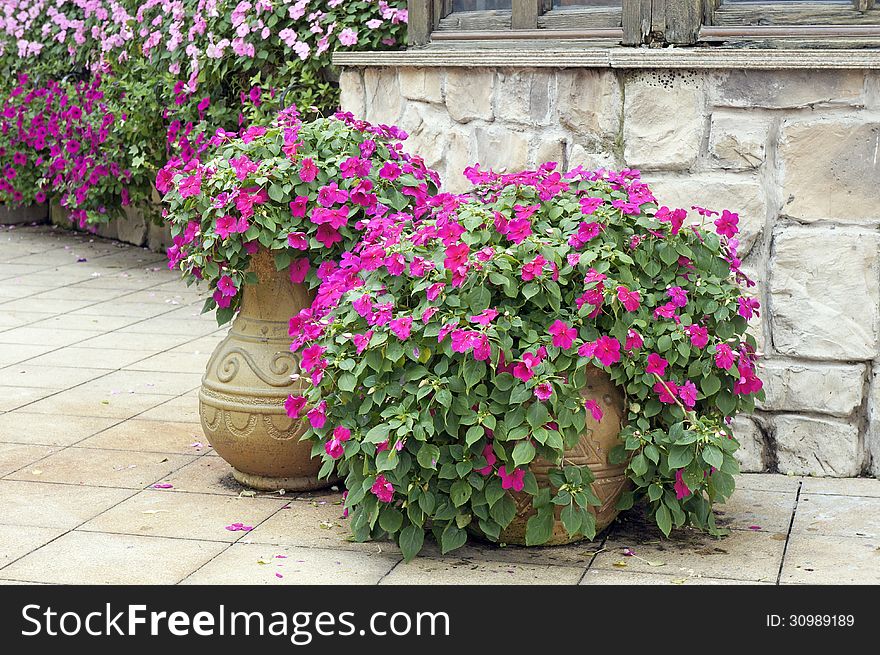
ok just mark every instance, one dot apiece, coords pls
pixel 29 335
pixel 173 360
pixel 180 410
pixel 56 306
pixel 18 540
pixel 842 486
pixel 157 342
pixel 45 505
pixel 95 558
pixel 166 513
pixel 186 327
pixel 847 516
pixel 748 509
pixel 47 377
pixel 84 322
pixel 241 564
pixel 83 401
pixel 151 436
pixel 14 456
pixel 10 319
pixel 203 345
pixel 107 358
pixel 823 559
pixel 24 427
pixel 455 571
pixel 207 475
pixel 317 523
pixel 104 468
pixel 767 482
pixel 13 353
pixel 168 383
pixel 121 307
pixel 14 397
pixel 623 577
pixel 742 555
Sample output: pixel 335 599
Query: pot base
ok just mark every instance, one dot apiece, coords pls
pixel 267 483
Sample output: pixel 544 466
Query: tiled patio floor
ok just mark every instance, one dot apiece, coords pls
pixel 101 353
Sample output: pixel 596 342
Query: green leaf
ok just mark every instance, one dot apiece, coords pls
pixel 539 528
pixel 276 192
pixel 460 492
pixel 664 519
pixel 523 453
pixel 710 385
pixel 428 456
pixel 503 510
pixel 390 519
pixel 347 382
pixel 680 456
pixel 411 539
pixel 377 434
pixel 494 491
pixel 453 537
pixel 571 519
pixel 712 456
pixel 639 465
pixel 537 414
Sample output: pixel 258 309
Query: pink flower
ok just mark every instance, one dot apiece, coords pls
pixel 656 365
pixel 348 37
pixel 607 350
pixel 674 218
pixel 590 205
pixel 595 410
pixel 533 269
pixel 485 317
pixel 688 394
pixel 666 393
pixel 311 357
pixel 299 268
pixel 390 171
pixel 294 405
pixel 317 415
pixel 524 370
pixel 361 341
pixel 363 305
pixel 587 349
pixel 298 206
pixel 226 286
pixel 518 230
pixel 630 299
pixel 543 391
pixel 698 334
pixel 748 307
pixel 227 225
pixel 489 454
pixel 634 341
pixel 243 167
pixel 190 186
pixel 665 311
pixel 723 356
pixel 342 433
pixel 681 489
pixel 334 448
pixel 678 295
pixel 327 236
pixel 382 489
pixel 298 240
pixel 401 327
pixel 563 335
pixel 726 225
pixel 434 290
pixel 308 171
pixel 512 480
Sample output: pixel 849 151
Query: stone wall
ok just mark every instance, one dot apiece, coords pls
pixel 134 228
pixel 796 153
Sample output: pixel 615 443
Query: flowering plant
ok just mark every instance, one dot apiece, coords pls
pixel 304 191
pixel 453 349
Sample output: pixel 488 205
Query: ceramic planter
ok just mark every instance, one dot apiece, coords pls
pixel 592 450
pixel 241 402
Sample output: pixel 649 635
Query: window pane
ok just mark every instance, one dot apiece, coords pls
pixel 566 4
pixel 479 5
pixel 773 2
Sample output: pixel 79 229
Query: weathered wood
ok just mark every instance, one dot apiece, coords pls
pixel 579 54
pixel 614 33
pixel 573 19
pixel 476 20
pixel 636 21
pixel 864 5
pixel 709 8
pixel 524 14
pixel 794 14
pixel 421 21
pixel 683 21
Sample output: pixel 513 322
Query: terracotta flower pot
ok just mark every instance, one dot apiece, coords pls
pixel 592 450
pixel 241 402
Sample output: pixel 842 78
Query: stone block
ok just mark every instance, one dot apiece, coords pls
pixel 738 141
pixel 741 194
pixel 663 125
pixel 382 96
pixel 502 148
pixel 458 157
pixel 824 293
pixel 589 101
pixel 814 446
pixel 424 84
pixel 834 389
pixel 578 155
pixel 830 170
pixel 132 227
pixel 23 215
pixel 789 89
pixel 550 147
pixel 469 94
pixel 752 452
pixel 428 130
pixel 351 92
pixel 524 96
pixel 872 437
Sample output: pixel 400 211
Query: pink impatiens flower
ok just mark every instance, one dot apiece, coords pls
pixel 678 296
pixel 748 307
pixel 485 317
pixel 308 171
pixel 299 268
pixel 656 365
pixel 727 224
pixel 595 410
pixel 563 335
pixel 318 415
pixel 226 286
pixel 543 391
pixel 227 225
pixel 518 230
pixel 681 489
pixel 382 489
pixel 666 392
pixel 525 369
pixel 401 327
pixel 688 394
pixel 630 299
pixel 723 356
pixel 634 341
pixel 489 454
pixel 298 240
pixel 607 350
pixel 294 405
pixel 698 334
pixel 533 269
pixel 512 480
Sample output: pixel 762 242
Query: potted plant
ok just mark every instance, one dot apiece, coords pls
pixel 527 361
pixel 261 221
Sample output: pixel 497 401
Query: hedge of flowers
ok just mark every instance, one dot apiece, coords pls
pixel 165 74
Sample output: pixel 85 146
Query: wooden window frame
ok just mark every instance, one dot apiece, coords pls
pixel 659 22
